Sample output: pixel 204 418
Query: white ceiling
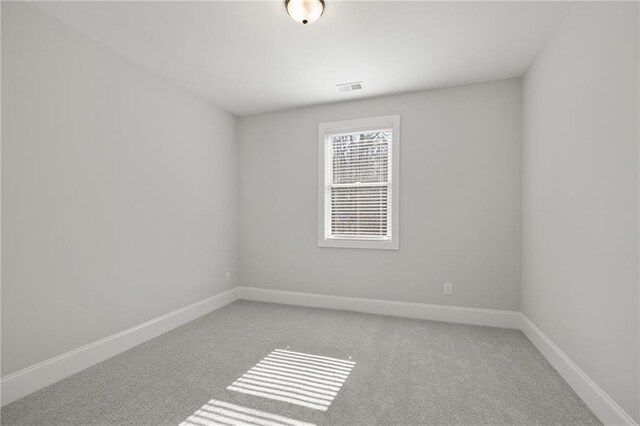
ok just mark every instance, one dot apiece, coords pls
pixel 250 57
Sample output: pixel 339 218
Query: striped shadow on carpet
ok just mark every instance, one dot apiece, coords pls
pixel 307 380
pixel 220 413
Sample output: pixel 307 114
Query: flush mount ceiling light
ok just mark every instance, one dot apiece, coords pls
pixel 304 11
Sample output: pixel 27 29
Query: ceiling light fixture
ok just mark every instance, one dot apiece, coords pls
pixel 304 11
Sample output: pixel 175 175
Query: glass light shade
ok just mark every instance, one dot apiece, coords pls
pixel 305 11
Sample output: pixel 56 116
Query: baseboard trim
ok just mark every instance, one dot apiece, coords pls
pixel 21 383
pixel 38 376
pixel 455 314
pixel 605 408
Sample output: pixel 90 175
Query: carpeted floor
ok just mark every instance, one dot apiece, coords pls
pixel 391 371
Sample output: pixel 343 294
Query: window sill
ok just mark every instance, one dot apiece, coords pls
pixel 359 244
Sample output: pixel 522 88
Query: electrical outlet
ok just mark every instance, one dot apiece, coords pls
pixel 227 276
pixel 448 289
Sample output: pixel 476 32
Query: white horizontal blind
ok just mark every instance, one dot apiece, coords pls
pixel 358 186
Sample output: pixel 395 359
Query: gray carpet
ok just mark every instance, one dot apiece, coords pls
pixel 406 372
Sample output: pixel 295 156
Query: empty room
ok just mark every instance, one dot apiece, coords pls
pixel 320 212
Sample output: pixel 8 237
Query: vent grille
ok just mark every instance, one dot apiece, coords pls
pixel 348 87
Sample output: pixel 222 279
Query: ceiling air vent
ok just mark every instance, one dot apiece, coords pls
pixel 348 87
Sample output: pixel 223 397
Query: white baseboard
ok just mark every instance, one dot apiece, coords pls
pixel 456 314
pixel 596 399
pixel 23 382
pixel 31 379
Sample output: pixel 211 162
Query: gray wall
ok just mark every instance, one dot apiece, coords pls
pixel 460 182
pixel 119 192
pixel 580 195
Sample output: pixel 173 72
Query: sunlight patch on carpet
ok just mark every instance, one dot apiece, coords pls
pixel 308 380
pixel 215 413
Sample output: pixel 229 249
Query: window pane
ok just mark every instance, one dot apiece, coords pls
pixel 359 211
pixel 360 157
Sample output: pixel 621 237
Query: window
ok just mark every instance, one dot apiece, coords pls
pixel 358 183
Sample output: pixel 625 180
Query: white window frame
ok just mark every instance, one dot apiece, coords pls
pixel 361 124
